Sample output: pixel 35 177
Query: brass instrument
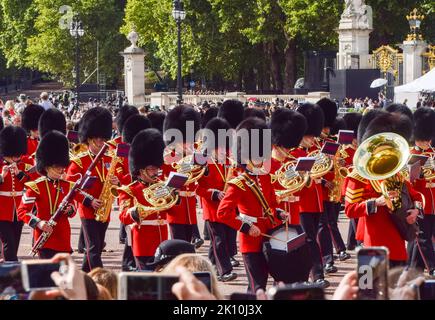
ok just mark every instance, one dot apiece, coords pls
pixel 340 173
pixel 322 165
pixel 291 180
pixel 382 157
pixel 186 166
pixel 108 193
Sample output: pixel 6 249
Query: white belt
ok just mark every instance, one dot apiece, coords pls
pixel 430 185
pixel 245 218
pixel 291 199
pixel 187 194
pixel 159 222
pixel 11 194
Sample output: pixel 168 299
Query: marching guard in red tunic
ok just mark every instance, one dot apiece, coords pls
pixel 29 122
pixel 13 145
pixel 148 229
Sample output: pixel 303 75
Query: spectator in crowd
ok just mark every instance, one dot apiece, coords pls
pixel 107 279
pixel 44 102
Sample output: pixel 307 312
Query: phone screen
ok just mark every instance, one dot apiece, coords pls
pixel 427 290
pixel 296 292
pixel 373 274
pixel 204 277
pixel 150 287
pixel 10 280
pixel 37 276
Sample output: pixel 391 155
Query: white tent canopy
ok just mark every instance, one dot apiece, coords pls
pixel 410 92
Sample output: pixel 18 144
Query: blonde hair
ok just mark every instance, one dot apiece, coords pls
pixel 103 293
pixel 107 279
pixel 194 263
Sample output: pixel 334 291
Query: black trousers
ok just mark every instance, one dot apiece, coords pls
pixel 328 231
pixel 310 224
pixel 182 231
pixel 10 236
pixel 351 240
pixel 219 253
pixel 48 253
pixel 195 232
pixel 122 233
pixel 142 261
pixel 93 233
pixel 232 240
pixel 427 225
pixel 205 231
pixel 81 245
pixel 128 261
pixel 256 270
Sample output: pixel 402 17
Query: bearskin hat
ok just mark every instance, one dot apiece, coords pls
pixel 213 126
pixel 244 148
pixel 13 142
pixel 330 111
pixel 133 126
pixel 146 150
pixel 95 123
pixel 315 118
pixel 53 150
pixel 365 121
pixel 211 113
pixel 123 114
pixel 288 128
pixel 30 117
pixel 232 111
pixel 178 119
pixel 157 119
pixel 352 121
pixel 400 108
pixel 390 122
pixel 339 124
pixel 52 119
pixel 424 124
pixel 252 112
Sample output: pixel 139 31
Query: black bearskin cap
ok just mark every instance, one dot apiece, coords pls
pixel 424 124
pixel 123 114
pixel 365 121
pixel 253 112
pixel 53 150
pixel 244 148
pixel 13 142
pixel 133 126
pixel 390 122
pixel 146 150
pixel 209 115
pixel 339 124
pixel 400 108
pixel 352 120
pixel 52 119
pixel 157 119
pixel 315 118
pixel 214 126
pixel 95 123
pixel 30 117
pixel 330 111
pixel 288 128
pixel 232 111
pixel 178 119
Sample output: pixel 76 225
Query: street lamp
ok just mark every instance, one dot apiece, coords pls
pixel 415 19
pixel 179 15
pixel 76 31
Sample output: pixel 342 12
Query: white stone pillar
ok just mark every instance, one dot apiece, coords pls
pixel 134 66
pixel 413 60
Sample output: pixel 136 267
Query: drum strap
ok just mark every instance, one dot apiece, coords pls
pixel 259 195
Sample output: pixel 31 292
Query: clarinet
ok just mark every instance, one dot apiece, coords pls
pixel 43 238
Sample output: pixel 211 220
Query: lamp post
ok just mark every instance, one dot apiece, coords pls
pixel 76 31
pixel 415 19
pixel 179 15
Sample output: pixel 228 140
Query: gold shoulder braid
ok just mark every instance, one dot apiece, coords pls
pixel 34 184
pixel 238 183
pixel 77 159
pixel 357 177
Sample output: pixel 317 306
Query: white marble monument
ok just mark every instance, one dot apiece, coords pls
pixel 354 30
pixel 134 70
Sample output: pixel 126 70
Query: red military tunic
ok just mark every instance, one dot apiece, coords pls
pixel 80 165
pixel 350 150
pixel 378 227
pixel 185 211
pixel 11 190
pixel 32 145
pixel 289 204
pixel 240 196
pixel 122 171
pixel 147 237
pixel 47 195
pixel 427 188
